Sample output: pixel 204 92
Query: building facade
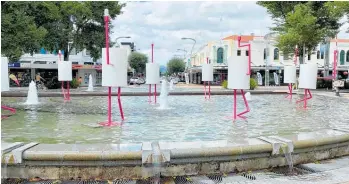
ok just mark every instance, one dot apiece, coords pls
pixel 46 64
pixel 265 56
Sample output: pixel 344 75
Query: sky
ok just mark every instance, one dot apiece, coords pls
pixel 165 23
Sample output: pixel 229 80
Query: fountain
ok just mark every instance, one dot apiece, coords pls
pixel 65 75
pixel 32 98
pixel 152 74
pixel 90 84
pixel 171 85
pixel 186 75
pixel 307 80
pixel 239 79
pixel 163 95
pixel 290 78
pixel 114 73
pixel 276 79
pixel 259 79
pixel 207 76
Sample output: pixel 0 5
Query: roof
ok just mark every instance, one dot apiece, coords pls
pixel 340 40
pixel 244 38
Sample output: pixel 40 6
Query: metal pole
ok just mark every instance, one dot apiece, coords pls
pixel 249 54
pixel 106 28
pixel 152 60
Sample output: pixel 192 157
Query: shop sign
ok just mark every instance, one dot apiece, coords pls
pixel 15 65
pixel 25 65
pixel 98 67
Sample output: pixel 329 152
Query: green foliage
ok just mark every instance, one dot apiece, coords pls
pixel 19 32
pixel 225 84
pixel 253 83
pixel 302 23
pixel 175 65
pixel 74 83
pixel 138 61
pixel 338 8
pixel 53 24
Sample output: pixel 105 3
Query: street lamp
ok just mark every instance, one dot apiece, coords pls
pixel 116 40
pixel 183 50
pixel 191 52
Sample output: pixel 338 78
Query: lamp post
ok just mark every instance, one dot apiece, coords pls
pixel 183 50
pixel 116 40
pixel 191 52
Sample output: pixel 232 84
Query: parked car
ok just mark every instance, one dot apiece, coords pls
pixel 136 80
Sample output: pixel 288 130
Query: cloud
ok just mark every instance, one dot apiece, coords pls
pixel 165 23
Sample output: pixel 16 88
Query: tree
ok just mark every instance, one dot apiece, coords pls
pixel 175 65
pixel 337 8
pixel 138 61
pixel 302 23
pixel 78 22
pixel 19 33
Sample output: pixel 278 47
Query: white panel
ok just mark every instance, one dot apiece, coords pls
pixel 5 84
pixel 114 74
pixel 237 73
pixel 308 76
pixel 152 73
pixel 65 71
pixel 290 74
pixel 207 72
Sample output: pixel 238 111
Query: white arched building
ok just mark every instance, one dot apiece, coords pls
pixel 266 57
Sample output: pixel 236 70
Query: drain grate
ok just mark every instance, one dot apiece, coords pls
pixel 249 176
pixel 43 182
pixel 306 168
pixel 216 178
pixel 124 182
pixel 182 180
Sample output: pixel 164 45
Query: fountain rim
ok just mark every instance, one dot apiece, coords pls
pixel 170 93
pixel 209 157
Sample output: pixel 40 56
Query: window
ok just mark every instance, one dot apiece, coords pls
pixel 88 52
pixel 238 52
pixel 276 54
pixel 322 54
pixel 348 56
pixel 341 57
pixel 309 55
pixel 220 55
pixel 318 55
pixel 246 52
pixel 265 54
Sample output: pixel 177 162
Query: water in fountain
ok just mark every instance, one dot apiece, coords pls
pixel 90 84
pixel 276 78
pixel 259 79
pixel 156 160
pixel 288 157
pixel 186 78
pixel 32 97
pixel 164 95
pixel 171 84
pixel 248 96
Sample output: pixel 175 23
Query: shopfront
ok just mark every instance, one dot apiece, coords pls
pixel 84 71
